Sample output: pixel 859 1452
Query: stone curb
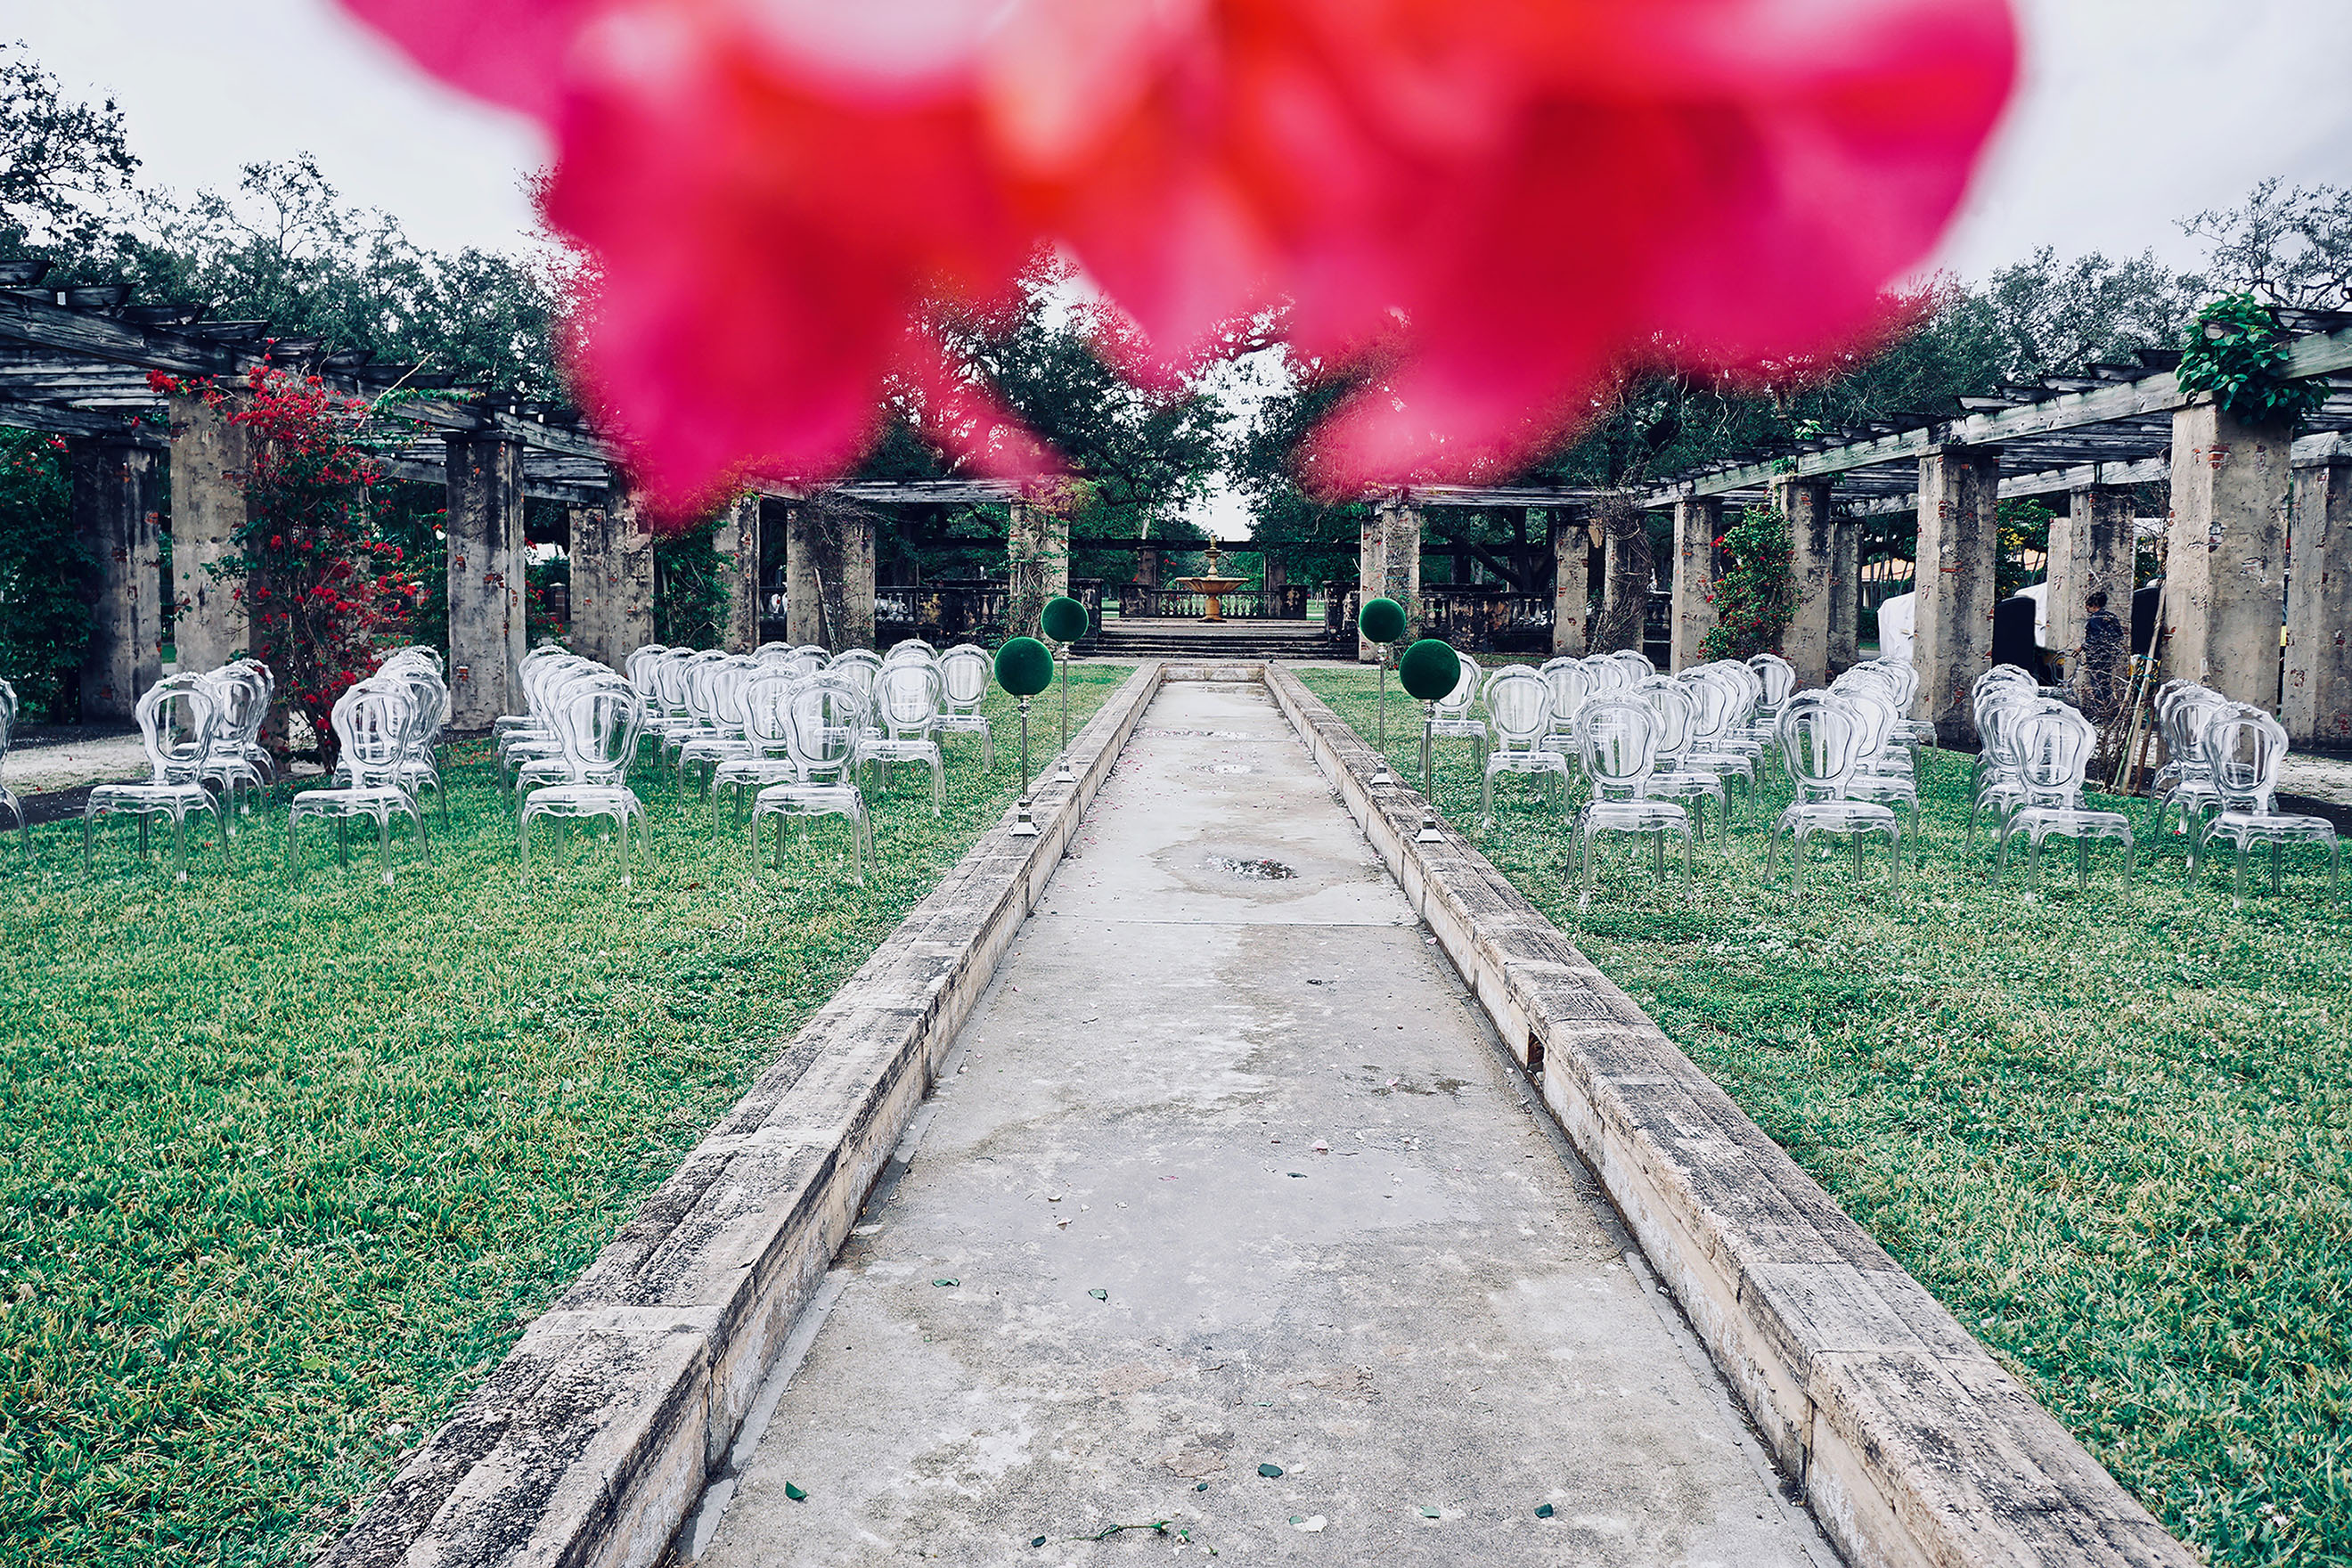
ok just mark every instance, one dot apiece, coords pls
pixel 590 1444
pixel 1914 1449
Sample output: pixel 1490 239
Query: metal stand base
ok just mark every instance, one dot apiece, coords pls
pixel 1063 774
pixel 1429 834
pixel 1022 826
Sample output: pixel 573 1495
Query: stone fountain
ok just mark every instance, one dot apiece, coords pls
pixel 1211 586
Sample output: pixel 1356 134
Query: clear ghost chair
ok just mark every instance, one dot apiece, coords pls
pixel 2000 777
pixel 1740 733
pixel 1712 748
pixel 1570 689
pixel 544 654
pixel 540 772
pixel 2192 792
pixel 818 651
pixel 1638 666
pixel 2054 746
pixel 825 718
pixel 232 763
pixel 1779 679
pixel 667 711
pixel 724 681
pixel 860 665
pixel 2245 748
pixel 639 668
pixel 178 719
pixel 1518 702
pixel 1884 772
pixel 8 801
pixel 701 716
pixel 375 724
pixel 770 652
pixel 1607 676
pixel 1449 719
pixel 419 770
pixel 600 722
pixel 1821 740
pixel 768 726
pixel 1669 778
pixel 905 723
pixel 1617 739
pixel 545 694
pixel 965 673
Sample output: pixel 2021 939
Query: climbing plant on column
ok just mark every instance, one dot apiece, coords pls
pixel 320 582
pixel 1755 598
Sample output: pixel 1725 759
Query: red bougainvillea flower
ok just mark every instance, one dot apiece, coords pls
pixel 1510 195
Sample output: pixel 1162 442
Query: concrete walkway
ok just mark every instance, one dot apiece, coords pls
pixel 1228 1172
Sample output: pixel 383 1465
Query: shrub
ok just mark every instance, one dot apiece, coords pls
pixel 44 622
pixel 1756 597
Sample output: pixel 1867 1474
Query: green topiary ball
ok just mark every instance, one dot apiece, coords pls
pixel 1430 669
pixel 1381 620
pixel 1024 667
pixel 1064 620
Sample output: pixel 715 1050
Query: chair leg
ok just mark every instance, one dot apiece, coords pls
pixel 621 837
pixel 383 848
pixel 179 848
pixel 2238 880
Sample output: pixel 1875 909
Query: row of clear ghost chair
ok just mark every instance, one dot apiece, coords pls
pixel 387 728
pixel 200 731
pixel 2031 772
pixel 2220 785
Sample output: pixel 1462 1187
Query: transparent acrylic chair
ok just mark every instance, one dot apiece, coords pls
pixel 905 723
pixel 420 770
pixel 1617 740
pixel 2191 793
pixel 2054 745
pixel 376 724
pixel 8 801
pixel 1450 719
pixel 2000 776
pixel 827 717
pixel 768 726
pixel 1779 679
pixel 600 722
pixel 1883 774
pixel 178 719
pixel 2245 747
pixel 701 721
pixel 1821 739
pixel 724 682
pixel 1638 668
pixel 1570 687
pixel 1713 749
pixel 965 673
pixel 1670 779
pixel 1520 703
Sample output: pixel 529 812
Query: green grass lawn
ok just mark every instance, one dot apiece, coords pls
pixel 2112 1137
pixel 287 1168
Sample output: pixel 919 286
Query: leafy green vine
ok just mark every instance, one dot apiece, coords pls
pixel 2237 351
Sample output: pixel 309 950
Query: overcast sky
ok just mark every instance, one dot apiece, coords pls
pixel 2135 112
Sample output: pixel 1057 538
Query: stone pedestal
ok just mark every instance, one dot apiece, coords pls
pixel 1698 523
pixel 737 541
pixel 2225 563
pixel 1388 567
pixel 828 577
pixel 209 458
pixel 2316 706
pixel 487 633
pixel 1572 584
pixel 612 580
pixel 2091 551
pixel 114 486
pixel 1959 538
pixel 1812 571
pixel 1038 548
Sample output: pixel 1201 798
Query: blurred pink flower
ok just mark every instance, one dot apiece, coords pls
pixel 1510 195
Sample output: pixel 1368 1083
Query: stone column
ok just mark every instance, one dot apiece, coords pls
pixel 1959 536
pixel 1571 583
pixel 487 636
pixel 1276 579
pixel 115 516
pixel 1698 523
pixel 1371 571
pixel 1626 577
pixel 829 577
pixel 1038 545
pixel 1845 594
pixel 209 457
pixel 2318 703
pixel 737 540
pixel 2091 551
pixel 1812 561
pixel 2225 564
pixel 1388 567
pixel 1146 567
pixel 611 579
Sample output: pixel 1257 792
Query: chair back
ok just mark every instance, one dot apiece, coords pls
pixel 7 716
pixel 1776 676
pixel 828 714
pixel 1570 689
pixel 2052 746
pixel 1821 738
pixel 179 720
pixel 2188 720
pixel 1637 664
pixel 1710 697
pixel 375 722
pixel 964 672
pixel 2245 748
pixel 768 710
pixel 1518 700
pixel 1456 703
pixel 1617 740
pixel 598 725
pixel 244 707
pixel 907 698
pixel 1670 701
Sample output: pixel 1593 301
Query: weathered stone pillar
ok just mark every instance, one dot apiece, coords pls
pixel 829 576
pixel 1959 536
pixel 1146 567
pixel 115 515
pixel 1845 594
pixel 1626 577
pixel 1571 583
pixel 611 579
pixel 2225 564
pixel 488 635
pixel 1698 523
pixel 1813 571
pixel 2318 703
pixel 1274 577
pixel 737 540
pixel 2091 551
pixel 1388 567
pixel 1038 545
pixel 209 457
